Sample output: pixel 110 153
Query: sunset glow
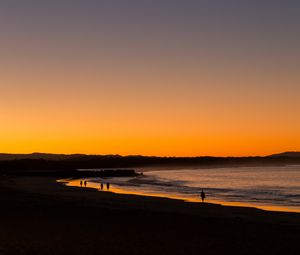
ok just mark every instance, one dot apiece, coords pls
pixel 100 78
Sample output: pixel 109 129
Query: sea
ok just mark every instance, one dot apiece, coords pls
pixel 271 188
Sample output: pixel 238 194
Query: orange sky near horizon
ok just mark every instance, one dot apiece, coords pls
pixel 113 81
pixel 177 123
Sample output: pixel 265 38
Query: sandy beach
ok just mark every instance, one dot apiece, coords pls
pixel 41 216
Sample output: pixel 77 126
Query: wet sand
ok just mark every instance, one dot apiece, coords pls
pixel 41 216
pixel 128 191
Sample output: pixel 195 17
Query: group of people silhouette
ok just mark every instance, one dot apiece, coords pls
pixel 84 183
pixel 202 194
pixel 102 186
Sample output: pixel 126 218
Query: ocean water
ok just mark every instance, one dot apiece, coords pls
pixel 275 188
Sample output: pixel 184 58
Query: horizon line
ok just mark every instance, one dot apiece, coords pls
pixel 140 155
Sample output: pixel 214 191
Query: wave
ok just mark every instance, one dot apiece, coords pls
pixel 279 186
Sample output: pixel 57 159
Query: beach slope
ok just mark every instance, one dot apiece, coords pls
pixel 41 216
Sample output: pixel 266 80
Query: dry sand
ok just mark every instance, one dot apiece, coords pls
pixel 40 216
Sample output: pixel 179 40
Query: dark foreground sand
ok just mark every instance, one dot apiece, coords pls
pixel 40 216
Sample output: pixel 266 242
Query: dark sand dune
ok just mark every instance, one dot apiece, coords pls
pixel 39 216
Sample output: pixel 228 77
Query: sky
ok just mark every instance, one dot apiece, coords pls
pixel 150 77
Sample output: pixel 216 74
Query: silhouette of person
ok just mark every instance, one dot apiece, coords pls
pixel 202 196
pixel 80 183
pixel 85 182
pixel 101 185
pixel 107 186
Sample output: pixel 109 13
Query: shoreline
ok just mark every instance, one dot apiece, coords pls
pixel 119 190
pixel 51 188
pixel 41 216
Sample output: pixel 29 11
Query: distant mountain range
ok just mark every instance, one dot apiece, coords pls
pixel 290 154
pixel 36 155
pixel 43 162
pixel 58 157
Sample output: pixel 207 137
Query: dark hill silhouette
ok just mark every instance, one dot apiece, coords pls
pixel 60 163
pixel 292 154
pixel 36 155
pixel 84 157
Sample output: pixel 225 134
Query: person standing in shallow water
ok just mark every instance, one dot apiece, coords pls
pixel 202 196
pixel 80 183
pixel 107 186
pixel 101 186
pixel 85 182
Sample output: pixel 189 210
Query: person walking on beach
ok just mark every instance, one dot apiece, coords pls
pixel 202 196
pixel 85 182
pixel 80 183
pixel 101 186
pixel 107 186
